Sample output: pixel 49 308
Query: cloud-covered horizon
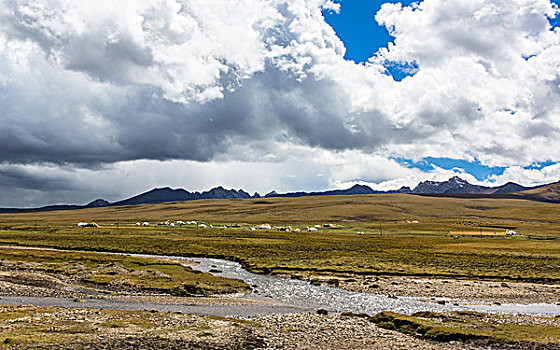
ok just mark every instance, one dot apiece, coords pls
pixel 257 94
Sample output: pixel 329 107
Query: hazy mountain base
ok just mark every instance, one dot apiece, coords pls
pixel 454 187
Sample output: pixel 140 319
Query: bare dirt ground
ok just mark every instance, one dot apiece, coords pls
pixel 311 332
pixel 489 291
pixel 25 327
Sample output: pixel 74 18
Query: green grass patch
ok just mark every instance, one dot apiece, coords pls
pixel 118 273
pixel 469 327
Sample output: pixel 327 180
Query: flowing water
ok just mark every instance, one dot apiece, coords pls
pixel 291 295
pixel 303 295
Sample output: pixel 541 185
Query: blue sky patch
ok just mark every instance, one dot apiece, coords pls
pixel 555 21
pixel 355 25
pixel 479 171
pixel 539 166
pixel 401 71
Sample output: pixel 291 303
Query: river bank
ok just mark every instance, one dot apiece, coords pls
pixel 279 313
pixel 403 286
pixel 336 295
pixel 33 327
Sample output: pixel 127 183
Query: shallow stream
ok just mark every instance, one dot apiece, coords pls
pixel 292 295
pixel 303 295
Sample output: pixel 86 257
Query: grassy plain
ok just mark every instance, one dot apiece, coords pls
pixel 390 243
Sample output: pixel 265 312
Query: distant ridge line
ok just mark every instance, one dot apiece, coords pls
pixel 455 187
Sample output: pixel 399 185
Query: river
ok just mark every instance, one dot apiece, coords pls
pixel 292 295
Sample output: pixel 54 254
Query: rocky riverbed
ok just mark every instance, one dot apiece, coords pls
pixel 279 314
pixel 488 291
pixel 311 332
pixel 27 327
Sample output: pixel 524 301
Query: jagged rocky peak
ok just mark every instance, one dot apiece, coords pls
pixel 218 189
pixel 243 193
pixel 454 184
pixel 271 194
pixel 222 193
pixel 403 189
pixel 457 180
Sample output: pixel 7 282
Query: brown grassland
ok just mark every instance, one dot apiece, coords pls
pixel 372 235
pixel 390 243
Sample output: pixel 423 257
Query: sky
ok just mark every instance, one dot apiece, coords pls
pixel 109 99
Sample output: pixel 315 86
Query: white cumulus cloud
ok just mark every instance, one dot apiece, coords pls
pixel 87 86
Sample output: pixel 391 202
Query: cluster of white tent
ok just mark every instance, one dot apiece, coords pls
pixel 168 223
pixel 289 228
pixel 201 224
pixel 87 224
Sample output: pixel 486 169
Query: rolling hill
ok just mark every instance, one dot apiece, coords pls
pixel 547 193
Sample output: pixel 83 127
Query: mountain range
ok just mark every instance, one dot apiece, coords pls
pixel 454 187
pixel 166 194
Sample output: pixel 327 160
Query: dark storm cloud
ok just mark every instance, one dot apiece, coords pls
pixel 17 176
pixel 84 85
pixel 143 125
pixel 100 96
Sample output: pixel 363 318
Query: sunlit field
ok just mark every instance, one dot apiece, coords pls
pixel 375 234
